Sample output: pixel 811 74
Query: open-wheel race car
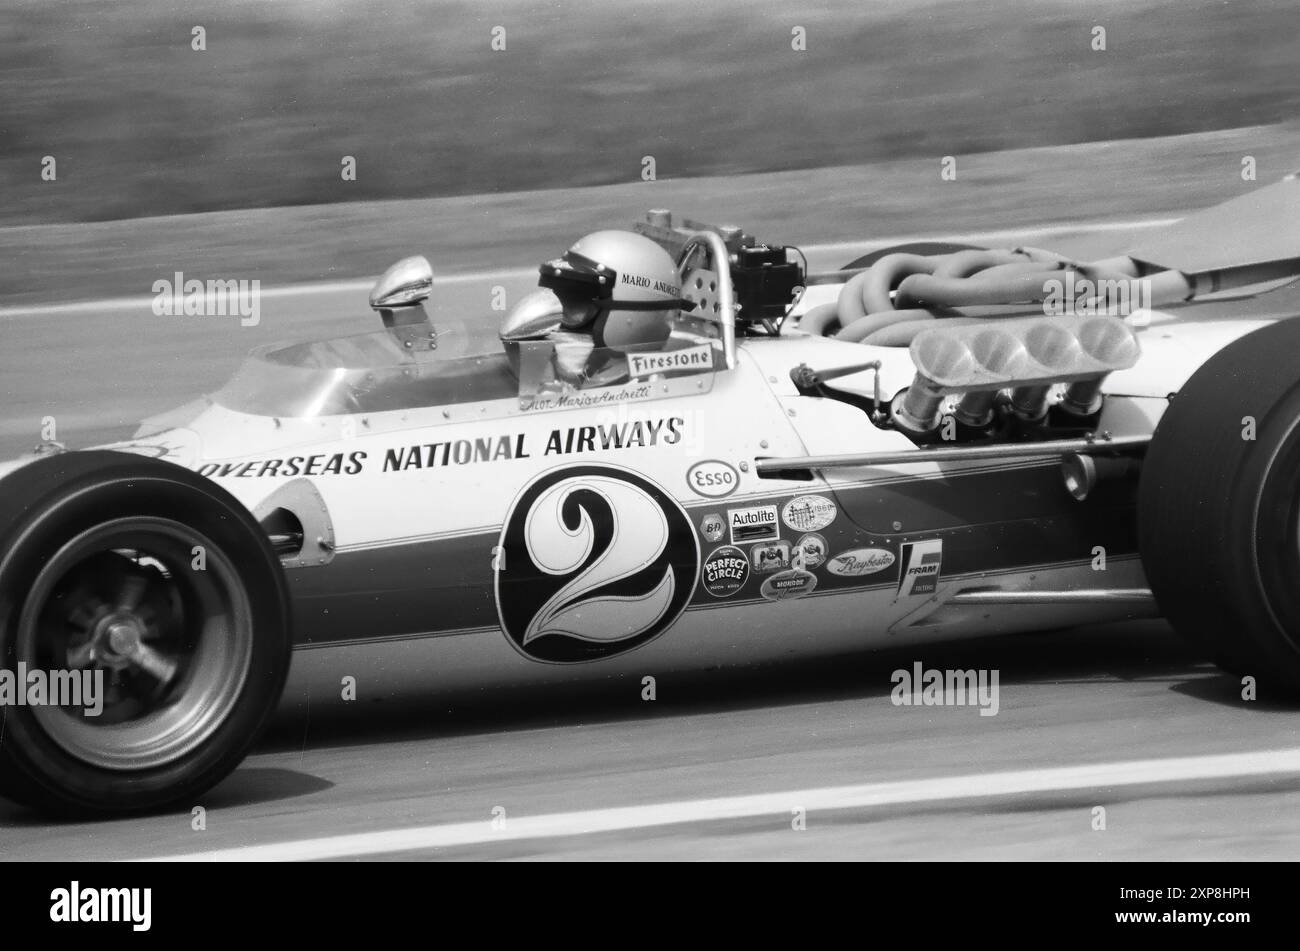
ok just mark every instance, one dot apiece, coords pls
pixel 937 441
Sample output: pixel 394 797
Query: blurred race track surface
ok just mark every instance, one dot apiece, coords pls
pixel 1121 694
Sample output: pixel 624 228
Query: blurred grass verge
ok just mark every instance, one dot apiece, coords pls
pixel 144 127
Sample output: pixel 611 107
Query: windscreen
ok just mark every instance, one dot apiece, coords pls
pixel 365 373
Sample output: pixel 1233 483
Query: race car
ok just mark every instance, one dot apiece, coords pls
pixel 937 441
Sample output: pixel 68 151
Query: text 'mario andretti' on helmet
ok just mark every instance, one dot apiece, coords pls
pixel 619 286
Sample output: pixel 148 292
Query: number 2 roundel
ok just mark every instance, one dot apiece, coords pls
pixel 596 561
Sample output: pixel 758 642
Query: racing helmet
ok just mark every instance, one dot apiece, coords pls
pixel 619 286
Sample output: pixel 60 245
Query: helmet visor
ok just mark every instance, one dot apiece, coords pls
pixel 577 279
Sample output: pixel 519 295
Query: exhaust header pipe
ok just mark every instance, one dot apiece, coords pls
pixel 1081 472
pixel 1026 355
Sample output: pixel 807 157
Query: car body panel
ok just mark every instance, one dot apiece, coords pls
pixel 415 535
pixel 460 528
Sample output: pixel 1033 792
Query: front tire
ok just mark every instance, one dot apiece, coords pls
pixel 158 586
pixel 1219 507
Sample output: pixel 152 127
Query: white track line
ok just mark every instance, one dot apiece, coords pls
pixel 365 283
pixel 1101 776
pixel 267 293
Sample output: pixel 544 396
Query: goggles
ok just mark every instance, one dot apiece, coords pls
pixel 577 278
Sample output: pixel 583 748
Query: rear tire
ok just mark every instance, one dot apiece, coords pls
pixel 1219 513
pixel 162 585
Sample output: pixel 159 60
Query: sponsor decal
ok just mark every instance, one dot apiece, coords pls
pixel 594 561
pixel 654 284
pixel 152 450
pixel 456 452
pixel 461 452
pixel 810 551
pixel 665 361
pixel 725 571
pixel 582 400
pixel 338 463
pixel 756 524
pixel 860 561
pixel 788 585
pixel 809 513
pixel 770 556
pixel 627 435
pixel 712 479
pixel 922 562
pixel 712 527
pixel 180 446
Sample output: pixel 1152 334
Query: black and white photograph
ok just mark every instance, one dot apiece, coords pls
pixel 557 430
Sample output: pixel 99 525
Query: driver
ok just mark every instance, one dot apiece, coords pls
pixel 619 293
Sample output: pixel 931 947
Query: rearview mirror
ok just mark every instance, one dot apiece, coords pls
pixel 406 283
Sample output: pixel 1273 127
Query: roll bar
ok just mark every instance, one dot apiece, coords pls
pixel 710 288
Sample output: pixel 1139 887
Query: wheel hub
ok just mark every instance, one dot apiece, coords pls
pixel 174 644
pixel 120 639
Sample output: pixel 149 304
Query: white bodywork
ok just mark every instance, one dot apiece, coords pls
pixel 359 464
